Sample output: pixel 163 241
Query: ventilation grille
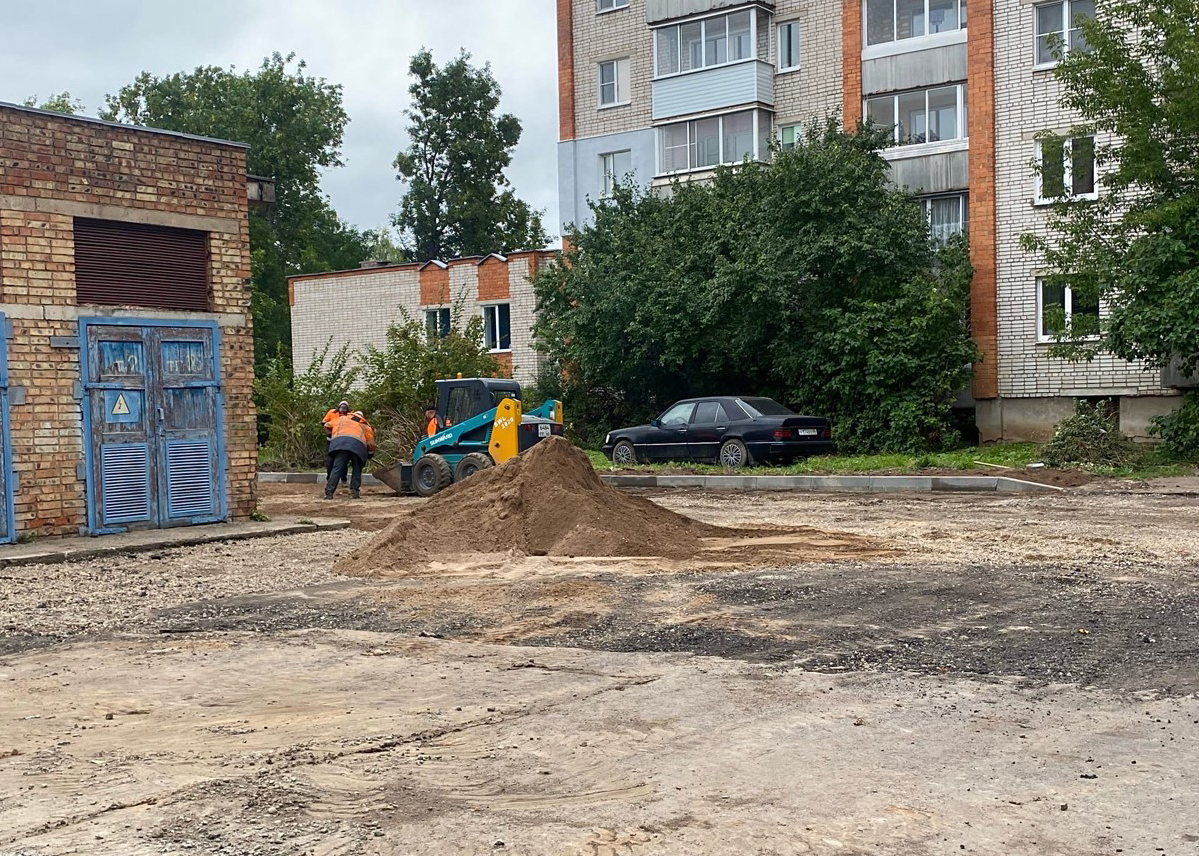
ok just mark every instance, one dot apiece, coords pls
pixel 189 478
pixel 129 264
pixel 125 482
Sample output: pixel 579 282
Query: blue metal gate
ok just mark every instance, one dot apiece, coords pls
pixel 153 413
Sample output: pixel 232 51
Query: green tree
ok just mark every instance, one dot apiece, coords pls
pixel 63 102
pixel 458 201
pixel 1137 246
pixel 812 280
pixel 293 123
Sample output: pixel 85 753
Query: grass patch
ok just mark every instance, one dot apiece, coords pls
pixel 1013 455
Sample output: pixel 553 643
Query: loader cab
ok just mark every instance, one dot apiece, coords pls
pixel 465 398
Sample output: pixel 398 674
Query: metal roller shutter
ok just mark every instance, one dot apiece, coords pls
pixel 129 264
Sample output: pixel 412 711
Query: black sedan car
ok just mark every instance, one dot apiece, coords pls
pixel 734 431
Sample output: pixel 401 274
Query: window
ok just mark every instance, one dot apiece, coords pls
pixel 613 168
pixel 706 143
pixel 437 322
pixel 708 413
pixel 677 416
pixel 614 82
pixel 789 135
pixel 1064 311
pixel 497 327
pixel 1066 169
pixel 609 5
pixel 704 43
pixel 788 46
pixel 1058 28
pixel 947 216
pixel 896 20
pixel 923 116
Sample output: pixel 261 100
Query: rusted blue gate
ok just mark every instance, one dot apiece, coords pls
pixel 153 415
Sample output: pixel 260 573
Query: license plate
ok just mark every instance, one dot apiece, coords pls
pixel 806 432
pixel 543 430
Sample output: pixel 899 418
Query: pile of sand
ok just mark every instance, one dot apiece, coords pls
pixel 546 502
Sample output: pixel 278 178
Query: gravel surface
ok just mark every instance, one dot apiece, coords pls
pixel 42 604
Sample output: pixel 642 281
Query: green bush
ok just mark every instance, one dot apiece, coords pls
pixel 292 406
pixel 1089 439
pixel 1180 430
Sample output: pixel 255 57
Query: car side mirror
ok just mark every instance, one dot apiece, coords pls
pixel 656 423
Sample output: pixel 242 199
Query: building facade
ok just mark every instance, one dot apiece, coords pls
pixel 127 364
pixel 653 90
pixel 357 307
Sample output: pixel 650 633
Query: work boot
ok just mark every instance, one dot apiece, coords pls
pixel 328 495
pixel 353 494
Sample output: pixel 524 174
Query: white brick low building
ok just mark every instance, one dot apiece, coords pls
pixel 357 307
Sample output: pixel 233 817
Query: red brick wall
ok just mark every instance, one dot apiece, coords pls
pixel 493 280
pixel 851 60
pixel 566 70
pixel 53 169
pixel 983 299
pixel 434 286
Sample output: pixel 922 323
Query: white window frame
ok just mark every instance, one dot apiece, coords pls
pixel 609 177
pixel 1067 22
pixel 963 125
pixel 963 199
pixel 495 330
pixel 1044 337
pixel 798 126
pixel 755 118
pixel 602 6
pixel 437 332
pixel 703 19
pixel 911 42
pixel 1039 197
pixel 778 40
pixel 622 98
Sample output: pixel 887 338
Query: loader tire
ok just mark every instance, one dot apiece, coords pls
pixel 471 464
pixel 431 474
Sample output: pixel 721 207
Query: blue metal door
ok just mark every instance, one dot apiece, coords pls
pixel 153 408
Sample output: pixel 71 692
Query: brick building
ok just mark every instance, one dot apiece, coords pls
pixel 356 307
pixel 657 89
pixel 128 354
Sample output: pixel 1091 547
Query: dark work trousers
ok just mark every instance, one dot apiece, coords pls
pixel 341 461
pixel 329 462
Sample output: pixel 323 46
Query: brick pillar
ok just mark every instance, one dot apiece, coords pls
pixel 980 85
pixel 851 61
pixel 566 70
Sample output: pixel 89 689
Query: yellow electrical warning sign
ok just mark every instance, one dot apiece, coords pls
pixel 120 407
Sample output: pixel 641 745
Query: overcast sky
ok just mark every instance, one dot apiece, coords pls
pixel 93 47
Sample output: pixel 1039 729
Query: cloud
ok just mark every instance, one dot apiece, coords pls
pixel 364 45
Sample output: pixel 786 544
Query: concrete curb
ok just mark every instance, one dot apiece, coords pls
pixel 80 549
pixel 830 484
pixel 837 484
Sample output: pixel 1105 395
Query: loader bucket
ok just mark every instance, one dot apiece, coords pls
pixel 394 477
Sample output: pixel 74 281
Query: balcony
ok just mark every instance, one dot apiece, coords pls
pixel 746 82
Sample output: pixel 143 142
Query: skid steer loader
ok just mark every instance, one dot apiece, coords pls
pixel 484 424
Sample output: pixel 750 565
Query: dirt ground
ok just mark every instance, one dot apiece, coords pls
pixel 963 673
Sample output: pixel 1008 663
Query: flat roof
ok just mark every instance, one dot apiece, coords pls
pixel 121 125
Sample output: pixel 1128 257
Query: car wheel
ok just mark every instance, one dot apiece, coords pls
pixel 471 464
pixel 431 474
pixel 624 454
pixel 734 455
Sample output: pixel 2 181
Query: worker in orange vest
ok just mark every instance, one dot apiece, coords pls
pixel 351 445
pixel 431 420
pixel 342 408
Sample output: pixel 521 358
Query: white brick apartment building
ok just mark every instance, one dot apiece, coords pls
pixel 653 89
pixel 357 307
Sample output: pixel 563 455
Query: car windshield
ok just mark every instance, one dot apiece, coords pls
pixel 764 407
